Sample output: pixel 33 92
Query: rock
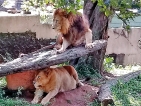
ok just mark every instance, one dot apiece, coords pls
pixel 24 80
pixel 81 96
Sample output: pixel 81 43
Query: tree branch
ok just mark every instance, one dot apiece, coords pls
pixel 38 60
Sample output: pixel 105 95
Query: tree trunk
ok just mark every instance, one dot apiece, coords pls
pixel 99 25
pixel 38 60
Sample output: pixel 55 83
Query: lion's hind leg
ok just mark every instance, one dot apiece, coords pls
pixel 73 73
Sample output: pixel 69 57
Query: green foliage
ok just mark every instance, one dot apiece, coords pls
pixel 109 7
pixel 63 64
pixel 95 103
pixel 127 94
pixel 19 92
pixel 108 63
pixel 125 15
pixel 5 101
pixel 1 93
pixel 2 82
pixel 86 70
pixel 69 5
pixel 37 3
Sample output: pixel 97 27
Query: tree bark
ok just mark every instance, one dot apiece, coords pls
pixel 38 60
pixel 99 25
pixel 105 95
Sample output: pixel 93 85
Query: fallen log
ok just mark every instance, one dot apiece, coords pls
pixel 38 60
pixel 105 94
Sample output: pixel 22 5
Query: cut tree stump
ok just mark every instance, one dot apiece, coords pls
pixel 105 95
pixel 43 59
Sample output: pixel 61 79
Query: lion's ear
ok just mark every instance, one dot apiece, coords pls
pixel 47 71
pixel 61 12
pixel 36 72
pixel 65 14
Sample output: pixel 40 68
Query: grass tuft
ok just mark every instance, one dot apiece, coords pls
pixel 127 94
pixel 7 101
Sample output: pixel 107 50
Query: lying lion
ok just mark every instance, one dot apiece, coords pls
pixel 54 80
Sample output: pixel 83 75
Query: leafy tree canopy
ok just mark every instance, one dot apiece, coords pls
pixel 109 7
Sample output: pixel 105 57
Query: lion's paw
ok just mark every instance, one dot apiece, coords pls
pixel 79 84
pixel 89 46
pixel 44 102
pixel 57 46
pixel 34 101
pixel 60 51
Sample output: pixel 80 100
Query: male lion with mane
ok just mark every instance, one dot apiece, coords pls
pixel 54 80
pixel 73 29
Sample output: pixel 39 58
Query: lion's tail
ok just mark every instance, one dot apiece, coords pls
pixel 71 70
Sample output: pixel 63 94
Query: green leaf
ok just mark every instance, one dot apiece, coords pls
pixel 107 13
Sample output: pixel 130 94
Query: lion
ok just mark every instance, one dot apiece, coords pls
pixel 73 29
pixel 53 81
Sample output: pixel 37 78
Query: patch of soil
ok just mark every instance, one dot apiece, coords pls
pixel 12 44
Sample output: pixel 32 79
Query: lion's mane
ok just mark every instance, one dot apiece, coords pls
pixel 73 25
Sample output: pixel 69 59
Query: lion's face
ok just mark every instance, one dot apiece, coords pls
pixel 60 21
pixel 57 22
pixel 41 79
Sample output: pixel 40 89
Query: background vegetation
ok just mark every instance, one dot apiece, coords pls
pixel 128 94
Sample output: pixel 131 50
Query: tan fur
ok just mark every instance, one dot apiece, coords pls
pixel 73 28
pixel 54 80
pixel 59 42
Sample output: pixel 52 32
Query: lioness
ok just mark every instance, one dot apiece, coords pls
pixel 54 80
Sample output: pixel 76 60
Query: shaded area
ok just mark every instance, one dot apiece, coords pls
pixel 12 44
